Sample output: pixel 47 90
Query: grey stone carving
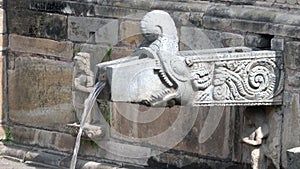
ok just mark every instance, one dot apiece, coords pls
pixel 157 74
pixel 259 132
pixel 83 82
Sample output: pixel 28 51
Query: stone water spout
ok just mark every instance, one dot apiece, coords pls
pixel 158 74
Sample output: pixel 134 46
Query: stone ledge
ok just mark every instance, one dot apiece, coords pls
pixel 42 138
pixel 48 158
pixel 109 150
pixel 250 19
pixel 88 8
pixel 255 14
pixel 82 8
pixel 64 7
pixel 278 5
pixel 55 159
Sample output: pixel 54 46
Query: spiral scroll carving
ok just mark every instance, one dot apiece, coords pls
pixel 261 78
pixel 246 80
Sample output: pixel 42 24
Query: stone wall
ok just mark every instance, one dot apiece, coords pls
pixel 43 36
pixel 3 84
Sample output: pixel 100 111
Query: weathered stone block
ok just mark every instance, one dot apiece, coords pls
pixel 18 4
pixel 281 1
pixel 93 30
pixel 201 131
pixel 117 12
pixel 242 2
pixel 174 5
pixel 43 138
pixel 291 124
pixel 211 133
pixel 247 19
pixel 22 135
pixel 265 28
pixel 40 46
pixel 43 158
pixel 119 52
pixel 40 92
pixel 277 44
pixel 293 156
pixel 65 7
pixel 253 26
pixel 293 79
pixel 244 13
pixel 196 38
pixel 122 152
pixel 13 151
pixel 271 1
pixel 216 23
pixel 166 159
pixel 130 34
pixel 37 24
pixel 291 54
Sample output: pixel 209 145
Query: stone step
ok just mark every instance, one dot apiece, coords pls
pixel 55 159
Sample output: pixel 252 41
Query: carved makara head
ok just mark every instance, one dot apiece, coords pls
pixel 157 74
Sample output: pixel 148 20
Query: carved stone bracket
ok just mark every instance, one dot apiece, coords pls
pixel 157 74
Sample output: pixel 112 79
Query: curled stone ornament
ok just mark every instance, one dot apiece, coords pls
pixel 221 92
pixel 262 78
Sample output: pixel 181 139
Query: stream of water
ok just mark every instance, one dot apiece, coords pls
pixel 88 105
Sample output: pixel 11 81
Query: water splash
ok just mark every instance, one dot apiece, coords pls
pixel 88 105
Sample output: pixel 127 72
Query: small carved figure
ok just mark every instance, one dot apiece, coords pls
pixel 83 82
pixel 255 117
